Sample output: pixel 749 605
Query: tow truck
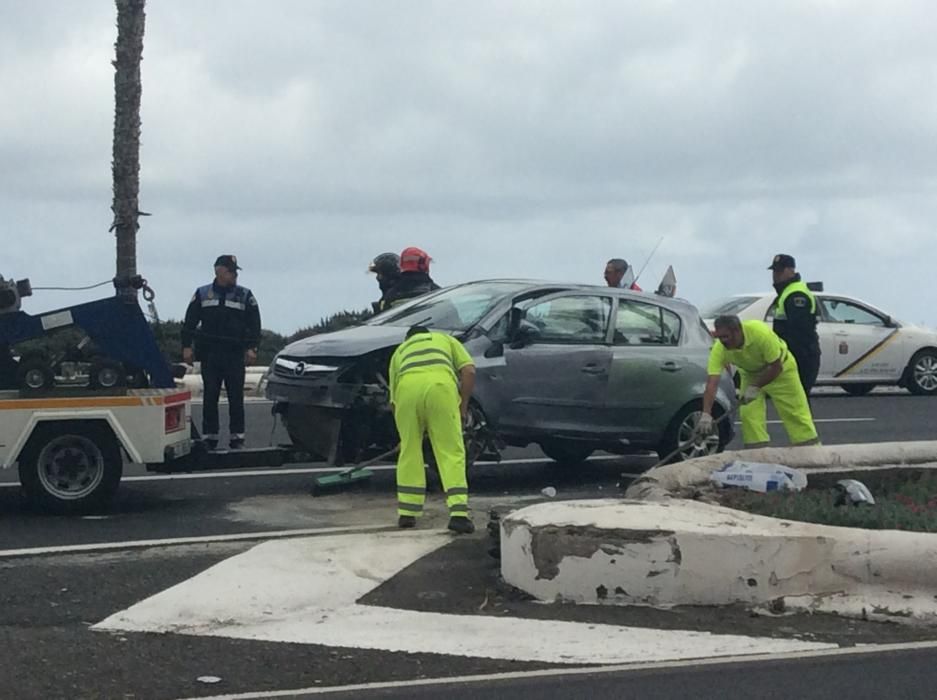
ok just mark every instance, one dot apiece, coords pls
pixel 69 424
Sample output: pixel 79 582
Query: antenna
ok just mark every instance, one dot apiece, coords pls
pixel 649 258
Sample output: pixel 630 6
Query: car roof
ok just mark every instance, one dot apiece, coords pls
pixel 532 284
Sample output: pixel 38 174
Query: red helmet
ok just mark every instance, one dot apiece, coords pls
pixel 414 260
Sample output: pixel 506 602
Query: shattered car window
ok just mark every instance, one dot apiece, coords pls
pixel 455 309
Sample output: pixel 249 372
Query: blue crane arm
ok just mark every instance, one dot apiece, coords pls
pixel 117 327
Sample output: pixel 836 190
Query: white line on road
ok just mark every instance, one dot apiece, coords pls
pixel 825 420
pixel 568 673
pixel 174 541
pixel 277 471
pixel 305 591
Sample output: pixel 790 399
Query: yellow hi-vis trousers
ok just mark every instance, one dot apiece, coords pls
pixel 790 401
pixel 429 406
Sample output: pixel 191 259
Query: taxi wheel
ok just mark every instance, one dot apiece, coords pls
pixel 857 389
pixel 922 373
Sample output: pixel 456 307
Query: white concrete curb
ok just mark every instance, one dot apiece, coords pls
pixel 663 481
pixel 683 552
pixel 661 550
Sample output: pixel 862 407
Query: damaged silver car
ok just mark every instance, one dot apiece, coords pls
pixel 571 368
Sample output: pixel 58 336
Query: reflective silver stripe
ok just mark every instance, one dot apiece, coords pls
pixel 412 507
pixel 210 302
pixel 459 508
pixel 457 491
pixel 427 363
pixel 235 305
pixel 414 490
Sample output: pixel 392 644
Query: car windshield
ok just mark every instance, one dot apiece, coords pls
pixel 728 306
pixel 455 309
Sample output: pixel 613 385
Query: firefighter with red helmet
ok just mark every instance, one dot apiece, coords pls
pixel 414 279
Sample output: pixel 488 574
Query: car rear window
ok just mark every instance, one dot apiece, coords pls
pixel 727 306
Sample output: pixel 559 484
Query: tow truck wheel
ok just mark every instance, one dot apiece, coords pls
pixel 71 466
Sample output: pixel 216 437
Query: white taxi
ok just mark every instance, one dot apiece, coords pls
pixel 862 347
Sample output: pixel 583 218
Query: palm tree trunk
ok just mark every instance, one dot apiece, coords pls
pixel 126 156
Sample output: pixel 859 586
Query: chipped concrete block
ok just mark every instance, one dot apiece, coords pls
pixel 680 552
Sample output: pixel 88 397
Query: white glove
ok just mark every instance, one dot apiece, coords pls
pixel 750 394
pixel 705 424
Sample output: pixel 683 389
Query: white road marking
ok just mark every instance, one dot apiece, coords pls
pixel 277 471
pixel 560 673
pixel 825 420
pixel 304 591
pixel 175 541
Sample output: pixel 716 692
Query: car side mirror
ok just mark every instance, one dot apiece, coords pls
pixel 890 322
pixel 526 334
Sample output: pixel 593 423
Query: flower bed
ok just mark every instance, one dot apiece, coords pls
pixel 905 499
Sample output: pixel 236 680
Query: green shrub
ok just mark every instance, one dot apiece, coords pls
pixel 904 500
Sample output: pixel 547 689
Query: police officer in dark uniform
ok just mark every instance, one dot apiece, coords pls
pixel 223 320
pixel 795 318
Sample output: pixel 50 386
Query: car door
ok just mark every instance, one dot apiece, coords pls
pixel 652 376
pixel 860 341
pixel 826 332
pixel 557 382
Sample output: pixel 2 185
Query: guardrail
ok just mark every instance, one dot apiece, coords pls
pixel 255 380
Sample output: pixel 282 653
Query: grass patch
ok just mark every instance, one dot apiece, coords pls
pixel 905 499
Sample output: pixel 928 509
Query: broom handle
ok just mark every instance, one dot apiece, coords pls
pixel 374 460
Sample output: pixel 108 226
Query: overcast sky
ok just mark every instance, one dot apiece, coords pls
pixel 507 138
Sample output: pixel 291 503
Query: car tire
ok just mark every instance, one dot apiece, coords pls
pixel 106 374
pixel 922 373
pixel 34 376
pixel 680 430
pixel 567 453
pixel 70 466
pixel 857 389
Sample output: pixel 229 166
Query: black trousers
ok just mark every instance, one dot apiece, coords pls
pixel 223 368
pixel 808 367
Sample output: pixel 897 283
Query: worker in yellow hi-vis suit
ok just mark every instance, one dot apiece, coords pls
pixel 768 370
pixel 432 377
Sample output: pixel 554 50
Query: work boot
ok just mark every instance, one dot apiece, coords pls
pixel 461 525
pixel 211 444
pixel 236 443
pixel 405 522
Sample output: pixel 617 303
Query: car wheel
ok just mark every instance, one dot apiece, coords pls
pixel 857 389
pixel 70 467
pixel 568 453
pixel 106 374
pixel 922 373
pixel 476 434
pixel 34 375
pixel 679 441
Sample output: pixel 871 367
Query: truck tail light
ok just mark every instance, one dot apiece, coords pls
pixel 175 418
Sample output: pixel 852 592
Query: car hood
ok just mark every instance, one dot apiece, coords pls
pixel 349 342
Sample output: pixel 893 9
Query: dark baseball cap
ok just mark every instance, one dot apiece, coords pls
pixel 228 261
pixel 782 261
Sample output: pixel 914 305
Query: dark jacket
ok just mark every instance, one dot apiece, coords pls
pixel 798 328
pixel 221 320
pixel 408 286
pixel 386 282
